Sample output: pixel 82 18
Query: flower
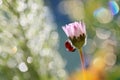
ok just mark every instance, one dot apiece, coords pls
pixel 76 32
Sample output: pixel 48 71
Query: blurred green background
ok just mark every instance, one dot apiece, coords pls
pixel 32 40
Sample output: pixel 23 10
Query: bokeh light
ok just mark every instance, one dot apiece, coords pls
pixel 98 63
pixel 110 59
pixel 11 63
pixel 1 2
pixel 21 5
pixel 23 67
pixel 102 33
pixel 16 78
pixel 91 46
pixel 103 15
pixel 114 7
pixel 14 49
pixel 76 11
pixel 29 59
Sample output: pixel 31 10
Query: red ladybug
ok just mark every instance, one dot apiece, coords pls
pixel 69 46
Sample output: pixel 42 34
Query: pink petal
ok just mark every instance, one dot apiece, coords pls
pixel 83 27
pixel 78 31
pixel 65 30
pixel 72 30
pixel 79 28
pixel 69 31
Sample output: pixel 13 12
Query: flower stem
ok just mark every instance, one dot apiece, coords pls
pixel 82 58
pixel 83 64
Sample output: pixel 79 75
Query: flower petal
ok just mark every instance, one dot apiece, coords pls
pixel 72 29
pixel 75 29
pixel 65 30
pixel 78 31
pixel 68 28
pixel 83 27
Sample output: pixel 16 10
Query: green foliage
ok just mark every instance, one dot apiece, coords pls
pixel 28 41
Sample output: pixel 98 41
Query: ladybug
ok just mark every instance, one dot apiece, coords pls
pixel 69 46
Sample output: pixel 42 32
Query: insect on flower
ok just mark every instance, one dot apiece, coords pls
pixel 69 46
pixel 76 32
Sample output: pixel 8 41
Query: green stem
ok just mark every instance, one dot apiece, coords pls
pixel 82 58
pixel 83 64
